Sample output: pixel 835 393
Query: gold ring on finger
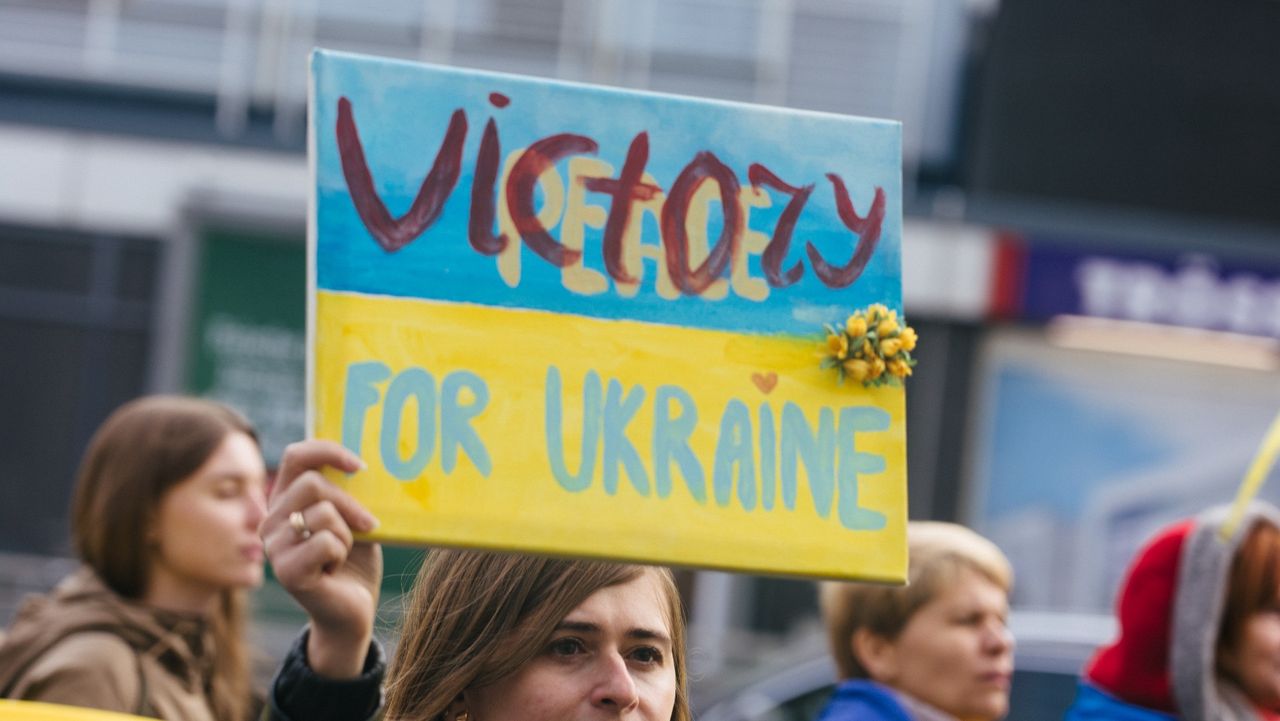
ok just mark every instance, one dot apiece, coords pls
pixel 298 522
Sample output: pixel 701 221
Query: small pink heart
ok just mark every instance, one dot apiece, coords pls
pixel 765 381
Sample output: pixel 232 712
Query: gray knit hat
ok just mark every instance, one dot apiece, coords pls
pixel 1197 615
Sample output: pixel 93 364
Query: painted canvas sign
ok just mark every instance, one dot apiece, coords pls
pixel 587 321
pixel 11 710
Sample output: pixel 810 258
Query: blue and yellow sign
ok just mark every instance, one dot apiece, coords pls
pixel 587 321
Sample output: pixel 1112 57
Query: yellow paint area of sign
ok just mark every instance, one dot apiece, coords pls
pixel 537 431
pixel 37 711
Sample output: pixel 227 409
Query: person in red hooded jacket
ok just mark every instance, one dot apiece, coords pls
pixel 1199 620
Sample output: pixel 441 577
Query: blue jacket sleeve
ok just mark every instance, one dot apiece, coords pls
pixel 1094 704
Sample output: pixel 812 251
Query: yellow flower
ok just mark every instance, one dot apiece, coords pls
pixel 877 368
pixel 908 338
pixel 857 369
pixel 899 368
pixel 838 345
pixel 873 346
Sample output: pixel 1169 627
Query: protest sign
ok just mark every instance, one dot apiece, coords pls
pixel 587 321
pixel 11 710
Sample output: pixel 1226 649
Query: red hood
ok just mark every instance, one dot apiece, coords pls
pixel 1135 667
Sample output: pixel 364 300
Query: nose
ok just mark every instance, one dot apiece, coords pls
pixel 255 509
pixel 615 688
pixel 998 639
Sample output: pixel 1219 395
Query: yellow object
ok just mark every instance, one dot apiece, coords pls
pixel 838 345
pixel 908 338
pixel 610 438
pixel 1253 478
pixel 886 347
pixel 877 367
pixel 857 369
pixel 898 368
pixel 37 711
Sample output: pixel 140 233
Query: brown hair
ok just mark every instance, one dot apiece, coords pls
pixel 474 618
pixel 938 553
pixel 1253 585
pixel 142 450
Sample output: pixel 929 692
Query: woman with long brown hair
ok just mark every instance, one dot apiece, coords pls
pixel 487 636
pixel 165 517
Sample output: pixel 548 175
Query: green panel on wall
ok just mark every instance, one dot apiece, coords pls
pixel 248 330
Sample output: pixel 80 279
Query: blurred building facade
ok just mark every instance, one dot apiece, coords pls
pixel 1060 162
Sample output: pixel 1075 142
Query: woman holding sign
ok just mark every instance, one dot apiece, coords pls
pixel 487 636
pixel 165 517
pixel 1199 615
pixel 936 649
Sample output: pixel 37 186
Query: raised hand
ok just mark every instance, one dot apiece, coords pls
pixel 309 541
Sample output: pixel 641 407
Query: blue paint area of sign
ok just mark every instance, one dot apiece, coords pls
pixel 401 132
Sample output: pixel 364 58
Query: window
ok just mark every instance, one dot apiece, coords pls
pixel 75 329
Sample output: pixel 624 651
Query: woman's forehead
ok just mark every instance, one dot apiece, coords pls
pixel 639 602
pixel 970 586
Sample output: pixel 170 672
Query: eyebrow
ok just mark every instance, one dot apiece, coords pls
pixel 646 634
pixel 218 477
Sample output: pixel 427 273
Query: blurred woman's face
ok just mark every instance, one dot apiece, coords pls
pixel 610 658
pixel 1254 664
pixel 205 531
pixel 955 653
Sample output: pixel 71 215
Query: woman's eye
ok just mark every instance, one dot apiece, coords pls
pixel 647 655
pixel 566 646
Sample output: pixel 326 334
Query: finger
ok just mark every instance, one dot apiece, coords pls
pixel 307 489
pixel 311 488
pixel 365 561
pixel 277 542
pixel 324 516
pixel 312 455
pixel 351 510
pixel 300 567
pixel 321 516
pixel 279 534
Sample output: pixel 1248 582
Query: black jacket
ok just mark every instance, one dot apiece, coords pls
pixel 298 694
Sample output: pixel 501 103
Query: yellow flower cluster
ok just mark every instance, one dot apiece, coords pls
pixel 873 348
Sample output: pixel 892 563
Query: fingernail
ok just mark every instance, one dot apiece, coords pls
pixel 371 523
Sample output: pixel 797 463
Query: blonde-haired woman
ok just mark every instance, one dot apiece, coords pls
pixel 165 518
pixel 937 649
